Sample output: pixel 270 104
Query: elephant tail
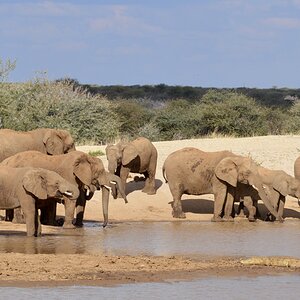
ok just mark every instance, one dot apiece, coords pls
pixel 164 173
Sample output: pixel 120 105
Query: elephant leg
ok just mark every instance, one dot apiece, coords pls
pixel 176 205
pixel 250 207
pixel 69 213
pixel 80 207
pixel 124 172
pixel 18 216
pixel 220 192
pixel 32 219
pixel 229 208
pixel 150 184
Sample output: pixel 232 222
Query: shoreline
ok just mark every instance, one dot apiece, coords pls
pixel 106 270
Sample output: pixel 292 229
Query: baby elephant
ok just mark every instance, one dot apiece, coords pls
pixel 30 188
pixel 138 156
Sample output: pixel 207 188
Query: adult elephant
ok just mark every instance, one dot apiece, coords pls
pixel 45 140
pixel 80 169
pixel 138 156
pixel 277 184
pixel 195 172
pixel 30 189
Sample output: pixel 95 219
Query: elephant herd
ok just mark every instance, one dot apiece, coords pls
pixel 41 168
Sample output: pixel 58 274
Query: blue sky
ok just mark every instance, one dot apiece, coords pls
pixel 209 43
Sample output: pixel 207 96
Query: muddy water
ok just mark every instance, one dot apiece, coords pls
pixel 165 238
pixel 262 287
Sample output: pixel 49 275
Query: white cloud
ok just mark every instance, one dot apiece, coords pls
pixel 118 20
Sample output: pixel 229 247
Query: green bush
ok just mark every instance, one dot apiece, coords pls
pixel 92 118
pixel 42 103
pixel 231 113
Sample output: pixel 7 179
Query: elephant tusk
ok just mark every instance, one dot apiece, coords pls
pixel 112 182
pixel 299 202
pixel 87 192
pixel 108 187
pixel 254 187
pixel 68 194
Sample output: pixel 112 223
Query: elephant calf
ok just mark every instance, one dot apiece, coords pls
pixel 30 188
pixel 278 184
pixel 138 156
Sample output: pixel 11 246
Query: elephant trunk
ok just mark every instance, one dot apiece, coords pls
pixel 112 166
pixel 105 201
pixel 267 202
pixel 116 186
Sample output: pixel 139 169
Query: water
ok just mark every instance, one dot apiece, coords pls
pixel 165 238
pixel 168 238
pixel 261 287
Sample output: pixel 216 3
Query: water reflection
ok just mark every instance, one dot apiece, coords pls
pixel 165 238
pixel 262 287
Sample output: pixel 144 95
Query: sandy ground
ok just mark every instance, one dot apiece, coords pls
pixel 275 152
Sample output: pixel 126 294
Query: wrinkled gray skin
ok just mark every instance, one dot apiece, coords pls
pixel 138 156
pixel 30 189
pixel 277 183
pixel 80 169
pixel 44 140
pixel 195 172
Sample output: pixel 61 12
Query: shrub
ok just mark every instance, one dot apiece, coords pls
pixel 41 103
pixel 231 113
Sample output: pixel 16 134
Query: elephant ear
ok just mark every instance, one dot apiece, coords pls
pixel 129 154
pixel 281 185
pixel 35 183
pixel 53 143
pixel 82 170
pixel 226 170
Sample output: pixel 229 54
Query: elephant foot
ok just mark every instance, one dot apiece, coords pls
pixel 78 224
pixel 178 214
pixel 217 219
pixel 228 219
pixel 251 219
pixel 68 226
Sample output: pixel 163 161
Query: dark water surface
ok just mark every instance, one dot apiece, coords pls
pixel 165 238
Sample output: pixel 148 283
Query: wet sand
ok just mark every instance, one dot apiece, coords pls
pixel 276 152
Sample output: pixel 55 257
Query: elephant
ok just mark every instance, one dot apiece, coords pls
pixel 79 168
pixel 138 156
pixel 278 184
pixel 30 188
pixel 44 140
pixel 297 171
pixel 192 171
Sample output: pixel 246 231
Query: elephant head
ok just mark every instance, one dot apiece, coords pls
pixel 244 170
pixel 91 173
pixel 286 185
pixel 120 154
pixel 57 141
pixel 44 184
